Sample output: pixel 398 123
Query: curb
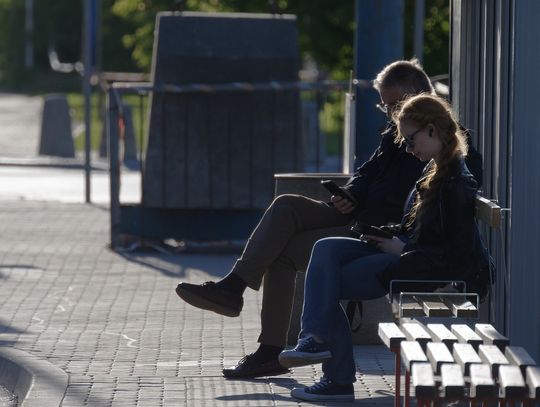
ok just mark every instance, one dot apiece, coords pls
pixel 67 163
pixel 34 381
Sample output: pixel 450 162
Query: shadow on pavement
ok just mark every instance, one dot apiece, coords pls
pixel 177 265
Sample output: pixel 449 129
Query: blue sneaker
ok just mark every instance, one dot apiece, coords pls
pixel 325 390
pixel 306 352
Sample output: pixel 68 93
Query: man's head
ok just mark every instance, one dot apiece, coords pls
pixel 399 80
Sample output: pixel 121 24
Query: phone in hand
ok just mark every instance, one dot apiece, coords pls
pixel 365 229
pixel 334 189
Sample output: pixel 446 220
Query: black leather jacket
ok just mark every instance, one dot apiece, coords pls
pixel 441 243
pixel 382 183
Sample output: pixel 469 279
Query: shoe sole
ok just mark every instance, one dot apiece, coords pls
pixel 204 303
pixel 296 359
pixel 302 395
pixel 232 375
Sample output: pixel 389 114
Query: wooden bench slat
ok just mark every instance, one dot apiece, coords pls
pixel 433 306
pixel 466 335
pixel 409 308
pixel 491 336
pixel 461 307
pixel 493 356
pixel 440 333
pixel 465 355
pixel 482 383
pixel 452 382
pixel 438 354
pixel 423 381
pixel 416 332
pixel 411 352
pixel 489 212
pixel 533 381
pixel 511 383
pixel 391 335
pixel 518 356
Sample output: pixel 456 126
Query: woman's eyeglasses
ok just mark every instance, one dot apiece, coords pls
pixel 409 140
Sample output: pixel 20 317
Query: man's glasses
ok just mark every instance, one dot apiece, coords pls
pixel 409 140
pixel 385 107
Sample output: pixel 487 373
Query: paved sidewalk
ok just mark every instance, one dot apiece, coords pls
pixel 20 118
pixel 113 323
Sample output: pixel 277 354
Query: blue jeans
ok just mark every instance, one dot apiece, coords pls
pixel 340 268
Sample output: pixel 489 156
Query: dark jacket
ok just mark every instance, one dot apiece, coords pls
pixel 441 242
pixel 381 185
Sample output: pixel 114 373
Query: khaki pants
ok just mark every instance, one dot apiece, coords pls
pixel 280 246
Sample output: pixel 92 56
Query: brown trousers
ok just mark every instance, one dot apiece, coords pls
pixel 279 247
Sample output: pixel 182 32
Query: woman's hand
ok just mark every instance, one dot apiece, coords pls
pixel 343 205
pixel 391 246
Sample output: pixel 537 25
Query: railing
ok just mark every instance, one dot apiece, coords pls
pixel 315 96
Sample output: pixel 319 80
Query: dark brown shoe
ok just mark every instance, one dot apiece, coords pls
pixel 249 366
pixel 210 297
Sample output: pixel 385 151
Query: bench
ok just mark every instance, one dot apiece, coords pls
pixel 449 368
pixel 447 352
pixel 409 303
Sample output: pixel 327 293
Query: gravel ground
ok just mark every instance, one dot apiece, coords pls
pixel 7 398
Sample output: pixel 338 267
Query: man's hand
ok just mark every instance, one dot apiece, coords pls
pixel 343 205
pixel 391 246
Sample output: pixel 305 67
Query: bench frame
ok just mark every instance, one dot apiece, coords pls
pixel 488 212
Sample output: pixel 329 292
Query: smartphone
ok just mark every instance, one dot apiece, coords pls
pixel 365 229
pixel 334 189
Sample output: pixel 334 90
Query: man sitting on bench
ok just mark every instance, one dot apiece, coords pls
pixel 281 244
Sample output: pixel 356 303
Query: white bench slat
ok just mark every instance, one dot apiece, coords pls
pixel 493 356
pixel 518 356
pixel 423 381
pixel 482 383
pixel 466 335
pixel 452 382
pixel 465 356
pixel 511 383
pixel 533 381
pixel 416 332
pixel 440 333
pixel 391 335
pixel 411 353
pixel 438 354
pixel 491 336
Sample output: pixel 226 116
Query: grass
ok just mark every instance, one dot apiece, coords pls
pixel 330 119
pixel 76 103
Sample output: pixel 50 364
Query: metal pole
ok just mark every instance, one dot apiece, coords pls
pixel 419 13
pixel 114 164
pixel 87 61
pixel 29 29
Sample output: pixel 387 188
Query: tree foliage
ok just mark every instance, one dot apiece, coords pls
pixel 326 32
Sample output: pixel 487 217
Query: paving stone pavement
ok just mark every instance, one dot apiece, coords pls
pixel 113 322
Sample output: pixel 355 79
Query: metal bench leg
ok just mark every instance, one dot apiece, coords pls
pixel 407 389
pixel 397 397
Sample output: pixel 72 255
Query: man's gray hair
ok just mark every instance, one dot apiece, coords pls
pixel 405 75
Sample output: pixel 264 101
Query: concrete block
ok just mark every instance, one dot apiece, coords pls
pixel 374 311
pixel 56 138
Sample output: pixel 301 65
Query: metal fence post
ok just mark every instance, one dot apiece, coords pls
pixel 114 164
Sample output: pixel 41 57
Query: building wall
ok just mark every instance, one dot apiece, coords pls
pixel 495 81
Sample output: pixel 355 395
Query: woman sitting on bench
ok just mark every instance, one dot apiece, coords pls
pixel 435 241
